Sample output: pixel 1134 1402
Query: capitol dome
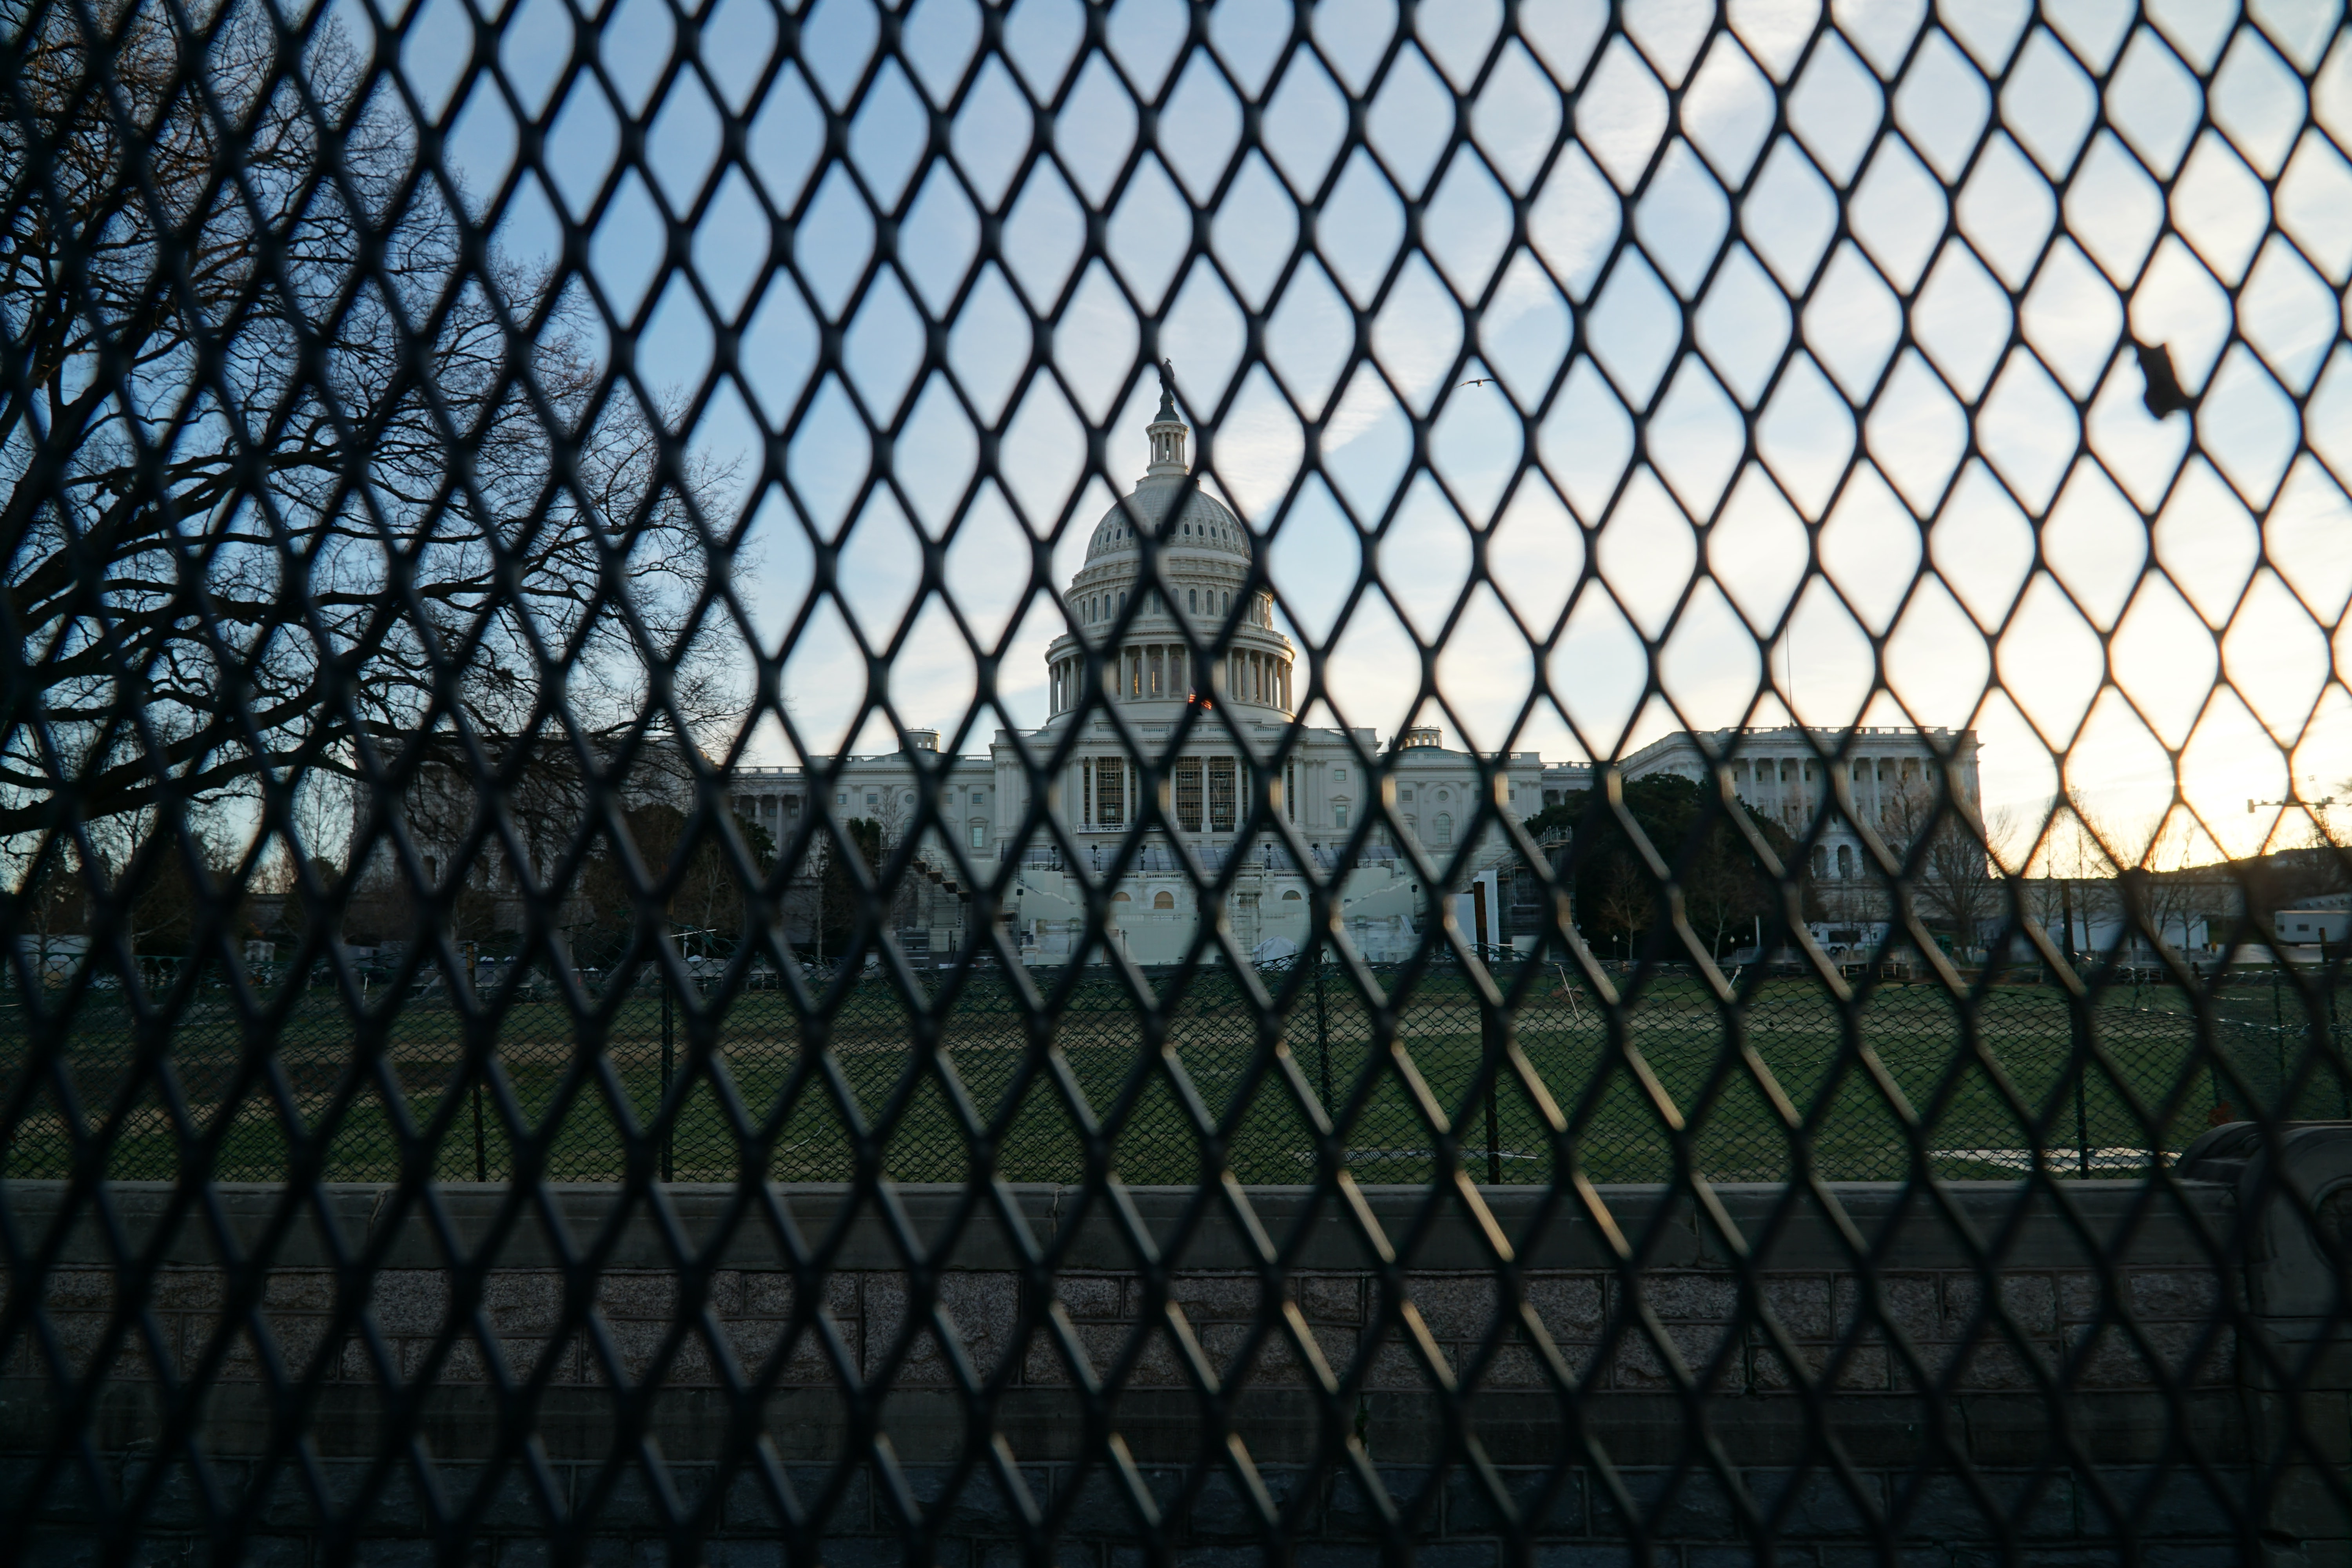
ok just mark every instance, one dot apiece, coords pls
pixel 1203 559
pixel 1205 524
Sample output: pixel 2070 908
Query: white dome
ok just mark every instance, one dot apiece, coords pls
pixel 1204 524
pixel 1138 652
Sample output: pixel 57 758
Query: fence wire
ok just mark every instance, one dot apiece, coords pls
pixel 2162 1084
pixel 582 639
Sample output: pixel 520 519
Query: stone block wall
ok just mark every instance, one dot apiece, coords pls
pixel 2121 1400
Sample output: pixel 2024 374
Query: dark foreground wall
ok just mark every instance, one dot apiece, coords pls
pixel 1581 1377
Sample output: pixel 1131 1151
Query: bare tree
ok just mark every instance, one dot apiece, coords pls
pixel 291 479
pixel 2174 893
pixel 53 907
pixel 1627 901
pixel 1952 864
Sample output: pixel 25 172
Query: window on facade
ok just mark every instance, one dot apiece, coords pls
pixel 1111 791
pixel 1290 896
pixel 1163 901
pixel 841 799
pixel 1338 774
pixel 1221 794
pixel 1444 828
pixel 1405 794
pixel 1290 791
pixel 1551 797
pixel 979 836
pixel 1845 860
pixel 1339 813
pixel 1192 598
pixel 1821 861
pixel 872 799
pixel 1188 793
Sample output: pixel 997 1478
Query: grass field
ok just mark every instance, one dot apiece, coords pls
pixel 389 1086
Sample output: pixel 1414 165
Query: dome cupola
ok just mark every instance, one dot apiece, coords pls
pixel 1202 557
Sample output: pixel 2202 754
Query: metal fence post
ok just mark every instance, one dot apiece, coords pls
pixel 481 1150
pixel 2278 1048
pixel 669 1128
pixel 1493 1041
pixel 2336 1048
pixel 1322 1031
pixel 2078 1012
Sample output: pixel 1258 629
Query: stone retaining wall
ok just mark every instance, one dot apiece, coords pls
pixel 2126 1398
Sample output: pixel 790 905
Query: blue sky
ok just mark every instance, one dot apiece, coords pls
pixel 1979 365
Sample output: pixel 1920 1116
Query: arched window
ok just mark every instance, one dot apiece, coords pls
pixel 1291 897
pixel 1120 899
pixel 1163 901
pixel 1821 861
pixel 1445 826
pixel 1845 860
pixel 1192 598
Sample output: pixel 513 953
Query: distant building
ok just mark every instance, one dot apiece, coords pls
pixel 1778 773
pixel 1140 654
pixel 2322 921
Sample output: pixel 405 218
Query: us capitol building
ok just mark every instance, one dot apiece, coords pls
pixel 1322 789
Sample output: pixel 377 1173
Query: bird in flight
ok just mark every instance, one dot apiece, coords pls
pixel 1482 381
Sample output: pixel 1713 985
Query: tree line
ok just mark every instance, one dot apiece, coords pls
pixel 314 502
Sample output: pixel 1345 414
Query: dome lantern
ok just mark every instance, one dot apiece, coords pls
pixel 1167 429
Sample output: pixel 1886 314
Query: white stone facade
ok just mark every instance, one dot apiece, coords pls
pixel 1778 773
pixel 1230 754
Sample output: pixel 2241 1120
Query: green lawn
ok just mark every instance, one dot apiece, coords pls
pixel 1670 1082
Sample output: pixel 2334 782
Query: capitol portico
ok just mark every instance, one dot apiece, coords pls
pixel 1243 749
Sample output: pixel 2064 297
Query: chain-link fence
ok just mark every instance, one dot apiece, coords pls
pixel 2000 1082
pixel 1668 885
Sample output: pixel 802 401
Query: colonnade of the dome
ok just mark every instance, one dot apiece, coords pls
pixel 1163 671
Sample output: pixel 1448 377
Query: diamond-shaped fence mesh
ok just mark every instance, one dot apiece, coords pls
pixel 1667 886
